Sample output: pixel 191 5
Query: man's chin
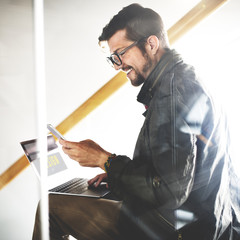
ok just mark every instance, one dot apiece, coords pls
pixel 135 84
pixel 136 81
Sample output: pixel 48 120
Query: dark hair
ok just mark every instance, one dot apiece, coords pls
pixel 139 22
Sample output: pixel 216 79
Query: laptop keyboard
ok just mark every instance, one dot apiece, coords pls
pixel 76 185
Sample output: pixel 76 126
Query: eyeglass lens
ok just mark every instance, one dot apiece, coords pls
pixel 116 59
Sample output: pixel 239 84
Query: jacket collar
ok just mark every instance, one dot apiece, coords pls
pixel 166 63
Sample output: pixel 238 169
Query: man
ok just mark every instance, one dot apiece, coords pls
pixel 176 186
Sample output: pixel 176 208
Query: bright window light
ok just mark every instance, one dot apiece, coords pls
pixel 214 49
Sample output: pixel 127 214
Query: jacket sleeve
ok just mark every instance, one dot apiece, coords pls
pixel 164 163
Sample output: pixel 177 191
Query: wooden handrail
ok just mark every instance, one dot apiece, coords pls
pixel 191 19
pixel 81 112
pixel 203 9
pixel 93 102
pixel 13 171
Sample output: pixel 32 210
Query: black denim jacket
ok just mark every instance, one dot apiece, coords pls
pixel 179 156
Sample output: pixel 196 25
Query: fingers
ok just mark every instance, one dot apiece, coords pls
pixel 75 150
pixel 98 179
pixel 87 153
pixel 67 144
pixel 93 180
pixel 73 153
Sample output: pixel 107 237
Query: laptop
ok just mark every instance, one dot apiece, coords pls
pixel 60 175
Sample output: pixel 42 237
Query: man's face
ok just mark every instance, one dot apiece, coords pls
pixel 136 64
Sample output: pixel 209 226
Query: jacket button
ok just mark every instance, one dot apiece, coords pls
pixel 156 182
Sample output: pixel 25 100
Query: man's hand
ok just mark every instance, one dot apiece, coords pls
pixel 87 153
pixel 98 179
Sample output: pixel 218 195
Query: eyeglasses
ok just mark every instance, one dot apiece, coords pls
pixel 115 58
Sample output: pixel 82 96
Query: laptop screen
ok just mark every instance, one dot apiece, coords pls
pixel 56 163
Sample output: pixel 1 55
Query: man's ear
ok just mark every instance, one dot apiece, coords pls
pixel 153 43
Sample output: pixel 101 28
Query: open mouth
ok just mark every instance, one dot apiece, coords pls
pixel 128 71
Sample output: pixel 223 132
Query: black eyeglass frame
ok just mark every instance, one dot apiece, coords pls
pixel 111 59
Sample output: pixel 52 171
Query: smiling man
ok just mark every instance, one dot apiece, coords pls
pixel 137 63
pixel 176 185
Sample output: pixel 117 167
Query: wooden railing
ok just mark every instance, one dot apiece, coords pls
pixel 187 22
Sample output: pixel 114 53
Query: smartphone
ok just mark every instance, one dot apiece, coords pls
pixel 55 132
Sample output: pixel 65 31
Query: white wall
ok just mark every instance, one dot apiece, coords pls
pixel 75 69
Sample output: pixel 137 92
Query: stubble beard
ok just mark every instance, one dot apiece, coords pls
pixel 139 79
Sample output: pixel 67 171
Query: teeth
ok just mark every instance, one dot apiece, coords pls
pixel 129 70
